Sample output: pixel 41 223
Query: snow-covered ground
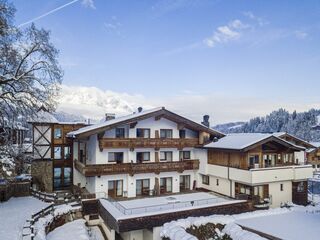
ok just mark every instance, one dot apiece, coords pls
pixel 290 224
pixel 75 230
pixel 300 223
pixel 95 233
pixel 14 213
pixel 157 205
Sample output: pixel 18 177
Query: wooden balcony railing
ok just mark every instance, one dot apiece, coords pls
pixel 135 168
pixel 155 143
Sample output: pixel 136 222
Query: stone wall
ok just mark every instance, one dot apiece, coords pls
pixel 42 175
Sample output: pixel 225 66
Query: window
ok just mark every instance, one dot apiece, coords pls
pixel 184 155
pixel 143 132
pixel 57 133
pixel 165 156
pixel 67 152
pixel 182 133
pixel 205 179
pixel 143 156
pixel 119 132
pixel 166 185
pixel 115 157
pixel 165 133
pixel 300 187
pixel 217 182
pixel 281 187
pixel 57 175
pixel 82 152
pixel 253 161
pixel 57 153
pixel 142 187
pixel 67 176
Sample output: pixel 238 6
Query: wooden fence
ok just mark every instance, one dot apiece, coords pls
pixel 14 189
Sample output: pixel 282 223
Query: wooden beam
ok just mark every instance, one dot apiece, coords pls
pixel 133 124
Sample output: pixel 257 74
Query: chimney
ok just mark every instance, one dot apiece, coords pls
pixel 206 121
pixel 140 109
pixel 110 116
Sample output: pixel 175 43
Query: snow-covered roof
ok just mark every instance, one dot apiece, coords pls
pixel 316 144
pixel 283 134
pixel 43 116
pixel 134 117
pixel 240 141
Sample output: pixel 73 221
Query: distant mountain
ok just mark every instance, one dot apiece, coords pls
pixel 93 103
pixel 299 124
pixel 68 117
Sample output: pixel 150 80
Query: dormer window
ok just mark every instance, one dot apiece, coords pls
pixel 120 132
pixel 165 133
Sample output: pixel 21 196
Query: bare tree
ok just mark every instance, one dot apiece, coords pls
pixel 30 75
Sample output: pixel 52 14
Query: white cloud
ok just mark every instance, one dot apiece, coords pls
pixel 88 3
pixel 113 26
pixel 223 34
pixel 259 20
pixel 300 34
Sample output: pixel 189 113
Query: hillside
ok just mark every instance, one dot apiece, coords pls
pixel 298 124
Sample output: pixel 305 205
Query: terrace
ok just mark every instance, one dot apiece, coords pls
pixel 154 211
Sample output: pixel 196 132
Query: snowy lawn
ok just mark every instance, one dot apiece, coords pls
pixel 288 224
pixel 300 223
pixel 14 213
pixel 75 230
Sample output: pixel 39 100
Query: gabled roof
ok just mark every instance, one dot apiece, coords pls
pixel 247 141
pixel 43 116
pixel 132 118
pixel 301 141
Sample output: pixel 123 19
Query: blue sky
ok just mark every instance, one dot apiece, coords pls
pixel 236 58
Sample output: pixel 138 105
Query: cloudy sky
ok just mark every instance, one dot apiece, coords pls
pixel 231 59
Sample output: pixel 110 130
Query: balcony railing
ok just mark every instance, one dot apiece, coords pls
pixel 135 168
pixel 156 143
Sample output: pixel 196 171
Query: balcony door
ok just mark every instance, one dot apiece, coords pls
pixel 142 187
pixel 184 183
pixel 165 185
pixel 115 188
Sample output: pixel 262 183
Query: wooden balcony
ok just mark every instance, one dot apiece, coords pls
pixel 135 168
pixel 155 143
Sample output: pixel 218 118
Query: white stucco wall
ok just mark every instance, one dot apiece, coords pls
pixel 279 196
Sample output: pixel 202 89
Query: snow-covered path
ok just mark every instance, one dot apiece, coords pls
pixel 75 230
pixel 14 213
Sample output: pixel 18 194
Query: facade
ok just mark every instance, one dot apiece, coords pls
pixel 258 167
pixel 313 156
pixel 147 153
pixel 52 165
pixel 188 168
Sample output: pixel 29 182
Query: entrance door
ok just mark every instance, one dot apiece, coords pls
pixel 184 183
pixel 115 188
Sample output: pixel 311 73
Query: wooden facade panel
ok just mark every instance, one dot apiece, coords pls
pixel 241 159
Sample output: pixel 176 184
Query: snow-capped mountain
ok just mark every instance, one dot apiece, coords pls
pixel 93 103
